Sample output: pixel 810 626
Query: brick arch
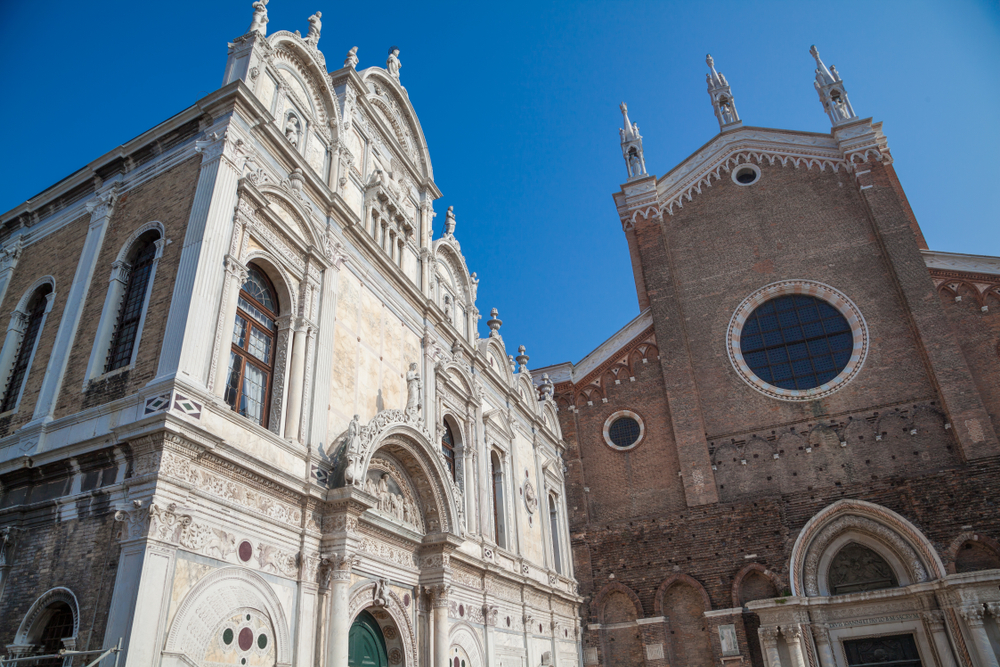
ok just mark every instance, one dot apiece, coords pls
pixel 950 554
pixel 745 572
pixel 676 579
pixel 962 289
pixel 597 606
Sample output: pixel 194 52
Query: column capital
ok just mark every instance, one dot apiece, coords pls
pixel 120 272
pixel 768 635
pixel 337 567
pixel 439 594
pixel 973 615
pixel 102 205
pixel 934 618
pixel 236 268
pixel 792 632
pixel 820 633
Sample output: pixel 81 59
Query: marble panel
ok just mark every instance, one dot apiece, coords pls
pixel 371 320
pixel 348 300
pixel 368 384
pixel 265 91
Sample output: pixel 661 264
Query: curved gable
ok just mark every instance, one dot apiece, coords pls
pixel 305 79
pixel 393 107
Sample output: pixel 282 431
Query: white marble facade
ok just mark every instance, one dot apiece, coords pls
pixel 344 502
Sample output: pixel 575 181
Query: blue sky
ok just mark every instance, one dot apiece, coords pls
pixel 519 103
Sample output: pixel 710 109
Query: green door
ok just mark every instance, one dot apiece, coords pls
pixel 367 647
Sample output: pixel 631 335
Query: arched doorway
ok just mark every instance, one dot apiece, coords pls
pixel 366 645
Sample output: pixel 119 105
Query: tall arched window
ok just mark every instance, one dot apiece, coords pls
pixel 499 527
pixel 554 529
pixel 58 627
pixel 448 448
pixel 251 361
pixel 30 323
pixel 124 337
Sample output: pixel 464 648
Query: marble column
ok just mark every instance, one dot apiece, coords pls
pixel 823 646
pixel 796 646
pixel 439 622
pixel 934 621
pixel 769 642
pixel 338 576
pixel 973 617
pixel 295 378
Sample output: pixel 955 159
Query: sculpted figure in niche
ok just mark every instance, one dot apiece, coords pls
pixel 315 25
pixel 352 448
pixel 292 129
pixel 634 163
pixel 392 62
pixel 413 386
pixel 259 22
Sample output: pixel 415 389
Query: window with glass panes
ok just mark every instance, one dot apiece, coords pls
pixel 251 360
pixel 448 447
pixel 130 313
pixel 796 342
pixel 58 627
pixel 36 313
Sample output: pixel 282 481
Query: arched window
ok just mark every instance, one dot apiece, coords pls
pixel 125 334
pixel 448 448
pixel 251 360
pixel 499 527
pixel 857 568
pixel 29 322
pixel 58 627
pixel 554 529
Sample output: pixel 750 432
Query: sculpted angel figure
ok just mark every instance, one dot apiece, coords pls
pixel 412 390
pixel 259 22
pixel 392 62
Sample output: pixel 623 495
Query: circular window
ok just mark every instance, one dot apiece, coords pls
pixel 746 174
pixel 623 430
pixel 797 340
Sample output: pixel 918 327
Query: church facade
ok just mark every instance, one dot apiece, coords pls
pixel 789 458
pixel 247 416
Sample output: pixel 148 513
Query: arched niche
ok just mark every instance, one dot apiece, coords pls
pixel 897 541
pixel 396 435
pixel 211 606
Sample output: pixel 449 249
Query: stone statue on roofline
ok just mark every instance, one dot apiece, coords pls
pixel 352 58
pixel 315 26
pixel 259 22
pixel 392 62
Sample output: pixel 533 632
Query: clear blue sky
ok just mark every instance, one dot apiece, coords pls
pixel 519 103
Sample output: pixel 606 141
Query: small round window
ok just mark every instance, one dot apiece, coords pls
pixel 623 430
pixel 746 174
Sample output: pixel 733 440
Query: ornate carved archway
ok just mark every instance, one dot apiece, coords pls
pixel 363 598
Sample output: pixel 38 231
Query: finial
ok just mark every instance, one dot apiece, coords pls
pixel 522 359
pixel 635 163
pixel 352 58
pixel 546 387
pixel 832 94
pixel 259 22
pixel 449 222
pixel 494 323
pixel 722 98
pixel 392 62
pixel 315 25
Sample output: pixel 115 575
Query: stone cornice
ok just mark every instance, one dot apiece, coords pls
pixel 984 265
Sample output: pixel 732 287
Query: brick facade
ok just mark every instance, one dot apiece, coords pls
pixel 702 515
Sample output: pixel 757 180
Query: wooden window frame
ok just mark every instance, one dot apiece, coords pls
pixel 247 357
